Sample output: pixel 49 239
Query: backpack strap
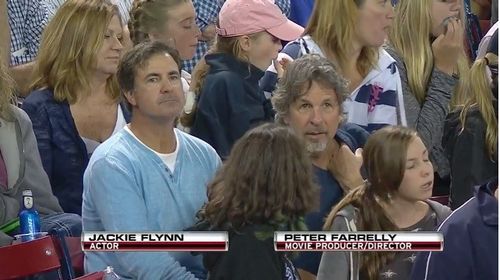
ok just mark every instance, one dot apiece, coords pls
pixel 353 256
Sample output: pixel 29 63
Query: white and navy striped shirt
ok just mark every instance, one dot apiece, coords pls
pixel 377 102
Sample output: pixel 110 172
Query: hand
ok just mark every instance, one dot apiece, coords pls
pixel 345 166
pixel 208 33
pixel 281 66
pixel 448 46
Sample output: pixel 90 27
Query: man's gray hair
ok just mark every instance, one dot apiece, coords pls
pixel 298 79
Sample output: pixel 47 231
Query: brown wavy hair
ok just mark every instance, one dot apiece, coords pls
pixel 384 157
pixel 267 179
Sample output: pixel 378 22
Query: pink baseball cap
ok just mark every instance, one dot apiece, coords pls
pixel 244 17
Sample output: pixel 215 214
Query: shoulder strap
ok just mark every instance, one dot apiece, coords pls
pixel 304 48
pixel 353 256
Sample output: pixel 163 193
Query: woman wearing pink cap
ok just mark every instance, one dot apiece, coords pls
pixel 230 101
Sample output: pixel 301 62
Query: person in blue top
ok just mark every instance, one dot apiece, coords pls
pixel 470 237
pixel 230 101
pixel 309 99
pixel 300 11
pixel 149 176
pixel 75 100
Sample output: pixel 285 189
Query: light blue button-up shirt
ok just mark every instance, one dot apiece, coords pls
pixel 128 188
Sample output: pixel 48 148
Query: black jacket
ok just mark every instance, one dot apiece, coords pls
pixel 230 102
pixel 250 257
pixel 466 150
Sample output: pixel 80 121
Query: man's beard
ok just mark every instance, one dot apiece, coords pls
pixel 315 147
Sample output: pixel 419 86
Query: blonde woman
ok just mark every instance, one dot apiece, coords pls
pixel 20 165
pixel 471 131
pixel 230 101
pixel 75 104
pixel 427 40
pixel 350 33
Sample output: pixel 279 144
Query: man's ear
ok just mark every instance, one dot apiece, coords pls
pixel 129 95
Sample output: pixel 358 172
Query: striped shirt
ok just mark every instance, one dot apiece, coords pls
pixel 377 102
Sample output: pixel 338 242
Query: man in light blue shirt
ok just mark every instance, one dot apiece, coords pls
pixel 150 176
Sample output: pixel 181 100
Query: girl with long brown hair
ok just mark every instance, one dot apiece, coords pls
pixel 394 197
pixel 264 186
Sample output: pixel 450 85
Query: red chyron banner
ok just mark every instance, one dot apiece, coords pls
pixel 155 241
pixel 283 241
pixel 358 241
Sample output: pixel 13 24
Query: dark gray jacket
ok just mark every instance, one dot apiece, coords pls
pixel 470 163
pixel 345 265
pixel 428 118
pixel 24 171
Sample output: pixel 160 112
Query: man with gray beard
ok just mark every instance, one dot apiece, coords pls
pixel 309 99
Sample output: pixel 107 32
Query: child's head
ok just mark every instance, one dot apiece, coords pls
pixel 267 179
pixel 398 166
pixel 253 30
pixel 169 21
